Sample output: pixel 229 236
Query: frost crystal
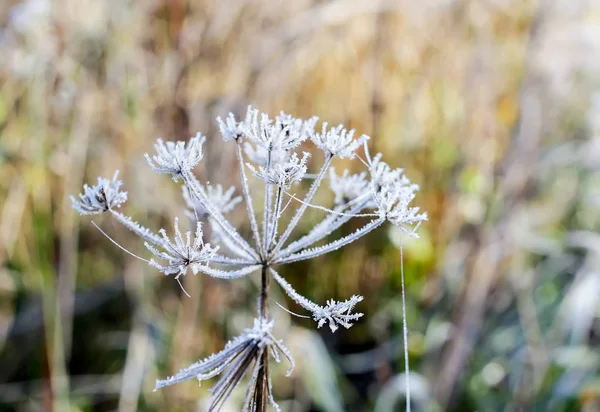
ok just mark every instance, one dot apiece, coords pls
pixel 182 255
pixel 347 187
pixel 176 158
pixel 393 193
pixel 338 313
pixel 100 198
pixel 261 156
pixel 283 133
pixel 224 200
pixel 283 174
pixel 338 141
pixel 269 148
pixel 230 129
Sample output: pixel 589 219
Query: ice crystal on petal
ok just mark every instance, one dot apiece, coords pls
pixel 347 187
pixel 175 158
pixel 338 141
pixel 338 313
pixel 303 128
pixel 282 133
pixel 259 155
pixel 393 193
pixel 101 197
pixel 335 313
pixel 283 174
pixel 230 129
pixel 182 254
pixel 382 174
pixel 224 200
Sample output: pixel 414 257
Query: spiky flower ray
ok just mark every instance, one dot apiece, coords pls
pixel 252 347
pixel 270 149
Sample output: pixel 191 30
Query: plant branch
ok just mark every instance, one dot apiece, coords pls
pixel 300 212
pixel 248 197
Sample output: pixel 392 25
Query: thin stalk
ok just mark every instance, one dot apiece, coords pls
pixel 330 247
pixel 405 332
pixel 248 198
pixel 276 216
pixel 216 215
pixel 136 228
pixel 304 206
pixel 267 211
pixel 328 225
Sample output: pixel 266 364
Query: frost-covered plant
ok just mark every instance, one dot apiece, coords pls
pixel 380 194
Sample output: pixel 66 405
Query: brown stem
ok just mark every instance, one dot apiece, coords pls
pixel 263 309
pixel 262 386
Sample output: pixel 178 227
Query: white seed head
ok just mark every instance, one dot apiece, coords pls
pixel 101 197
pixel 224 200
pixel 182 254
pixel 338 313
pixel 393 192
pixel 230 129
pixel 338 141
pixel 260 156
pixel 176 158
pixel 347 187
pixel 283 133
pixel 283 174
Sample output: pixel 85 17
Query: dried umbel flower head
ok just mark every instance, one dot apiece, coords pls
pixel 380 194
pixel 100 198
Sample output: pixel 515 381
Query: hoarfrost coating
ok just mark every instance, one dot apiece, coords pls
pixel 272 155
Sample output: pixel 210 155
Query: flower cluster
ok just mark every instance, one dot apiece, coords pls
pixel 284 173
pixel 181 254
pixel 100 198
pixel 270 149
pixel 176 158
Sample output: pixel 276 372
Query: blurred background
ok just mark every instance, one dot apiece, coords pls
pixel 492 106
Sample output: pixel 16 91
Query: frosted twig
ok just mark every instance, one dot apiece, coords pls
pixel 405 331
pixel 321 250
pixel 248 197
pixel 216 214
pixel 305 203
pixel 136 228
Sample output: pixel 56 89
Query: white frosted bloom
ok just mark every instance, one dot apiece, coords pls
pixel 259 155
pixel 303 128
pixel 283 174
pixel 334 313
pixel 347 187
pixel 337 313
pixel 338 141
pixel 224 200
pixel 101 197
pixel 382 174
pixel 175 158
pixel 282 133
pixel 230 129
pixel 393 202
pixel 182 254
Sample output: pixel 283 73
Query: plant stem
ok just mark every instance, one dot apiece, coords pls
pixel 263 308
pixel 261 395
